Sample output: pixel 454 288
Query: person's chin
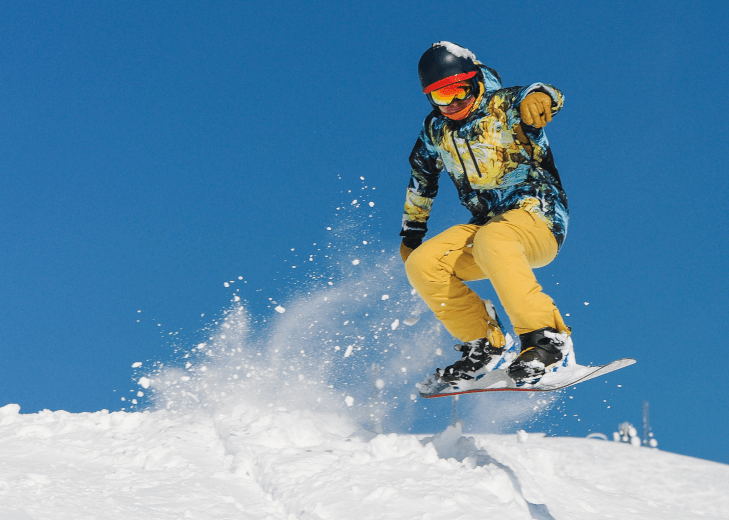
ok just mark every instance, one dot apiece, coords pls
pixel 458 112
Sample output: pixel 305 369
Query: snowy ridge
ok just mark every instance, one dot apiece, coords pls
pixel 279 464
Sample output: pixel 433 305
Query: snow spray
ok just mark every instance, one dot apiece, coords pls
pixel 351 339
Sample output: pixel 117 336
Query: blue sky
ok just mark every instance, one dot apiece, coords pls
pixel 153 151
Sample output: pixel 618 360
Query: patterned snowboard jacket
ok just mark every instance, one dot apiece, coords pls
pixel 493 167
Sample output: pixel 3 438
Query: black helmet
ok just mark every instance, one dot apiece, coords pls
pixel 445 63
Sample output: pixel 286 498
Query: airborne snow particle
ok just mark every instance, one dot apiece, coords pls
pixel 280 309
pixel 137 364
pixel 144 382
pixel 410 321
pixel 348 352
pixel 587 303
pixel 385 297
pixel 395 324
pixel 355 262
pixel 372 204
pixel 380 384
pixel 349 400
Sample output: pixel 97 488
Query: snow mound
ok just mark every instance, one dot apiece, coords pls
pixel 279 463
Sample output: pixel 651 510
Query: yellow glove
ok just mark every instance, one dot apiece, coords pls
pixel 536 109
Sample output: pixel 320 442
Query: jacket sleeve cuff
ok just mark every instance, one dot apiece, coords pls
pixel 412 242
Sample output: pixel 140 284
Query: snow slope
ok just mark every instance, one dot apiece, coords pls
pixel 273 463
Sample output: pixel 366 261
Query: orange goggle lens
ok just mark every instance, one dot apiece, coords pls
pixel 446 95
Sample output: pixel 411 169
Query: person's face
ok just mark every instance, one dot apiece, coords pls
pixel 454 101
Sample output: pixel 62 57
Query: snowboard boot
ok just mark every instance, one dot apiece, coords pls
pixel 481 355
pixel 541 351
pixel 478 357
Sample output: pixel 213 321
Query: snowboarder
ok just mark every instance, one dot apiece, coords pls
pixel 491 142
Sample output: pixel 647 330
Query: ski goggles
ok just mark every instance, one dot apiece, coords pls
pixel 444 96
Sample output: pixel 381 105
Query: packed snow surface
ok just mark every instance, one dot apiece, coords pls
pixel 251 462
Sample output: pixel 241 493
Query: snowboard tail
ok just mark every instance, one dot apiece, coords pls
pixel 499 380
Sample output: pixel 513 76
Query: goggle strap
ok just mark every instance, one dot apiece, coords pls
pixel 447 81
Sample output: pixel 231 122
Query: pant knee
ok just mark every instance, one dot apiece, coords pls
pixel 421 268
pixel 494 246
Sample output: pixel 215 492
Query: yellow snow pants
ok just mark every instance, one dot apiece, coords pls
pixel 505 251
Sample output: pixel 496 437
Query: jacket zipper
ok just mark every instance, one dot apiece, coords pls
pixel 466 184
pixel 470 151
pixel 473 158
